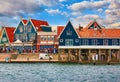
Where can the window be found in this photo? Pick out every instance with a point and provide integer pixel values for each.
(69, 32)
(4, 39)
(76, 40)
(32, 36)
(85, 42)
(49, 38)
(29, 28)
(52, 38)
(20, 36)
(105, 42)
(17, 36)
(114, 42)
(41, 38)
(94, 42)
(21, 29)
(24, 37)
(45, 38)
(69, 42)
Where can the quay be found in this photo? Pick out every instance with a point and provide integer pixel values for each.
(34, 58)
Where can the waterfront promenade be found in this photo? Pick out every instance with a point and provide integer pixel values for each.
(34, 58)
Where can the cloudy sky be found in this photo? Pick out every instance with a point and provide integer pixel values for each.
(58, 12)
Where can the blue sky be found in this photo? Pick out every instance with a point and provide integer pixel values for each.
(58, 12)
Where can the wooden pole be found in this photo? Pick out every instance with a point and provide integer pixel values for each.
(69, 55)
(89, 55)
(79, 56)
(59, 59)
(99, 54)
(109, 56)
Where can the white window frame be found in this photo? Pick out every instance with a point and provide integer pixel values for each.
(69, 42)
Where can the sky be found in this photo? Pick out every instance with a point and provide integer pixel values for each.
(59, 12)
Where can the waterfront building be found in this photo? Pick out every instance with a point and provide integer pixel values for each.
(91, 42)
(26, 32)
(7, 37)
(47, 42)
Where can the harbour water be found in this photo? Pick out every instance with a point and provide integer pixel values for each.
(55, 72)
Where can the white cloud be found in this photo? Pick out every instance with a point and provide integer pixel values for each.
(87, 5)
(76, 13)
(115, 4)
(100, 10)
(47, 2)
(18, 7)
(62, 0)
(84, 20)
(65, 14)
(53, 11)
(113, 13)
(116, 24)
(7, 21)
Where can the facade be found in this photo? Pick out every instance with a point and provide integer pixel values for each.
(6, 33)
(6, 38)
(26, 32)
(93, 42)
(47, 42)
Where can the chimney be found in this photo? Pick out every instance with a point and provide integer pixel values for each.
(80, 27)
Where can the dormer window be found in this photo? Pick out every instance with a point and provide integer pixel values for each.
(69, 32)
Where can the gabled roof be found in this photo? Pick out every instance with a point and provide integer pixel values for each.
(24, 22)
(59, 29)
(10, 33)
(94, 24)
(38, 23)
(69, 22)
(102, 33)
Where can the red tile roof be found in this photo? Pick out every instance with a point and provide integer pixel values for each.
(10, 33)
(25, 21)
(59, 30)
(98, 33)
(38, 23)
(102, 33)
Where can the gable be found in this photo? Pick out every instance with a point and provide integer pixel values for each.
(30, 28)
(94, 25)
(4, 38)
(20, 29)
(69, 32)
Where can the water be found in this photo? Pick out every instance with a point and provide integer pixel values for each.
(51, 72)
